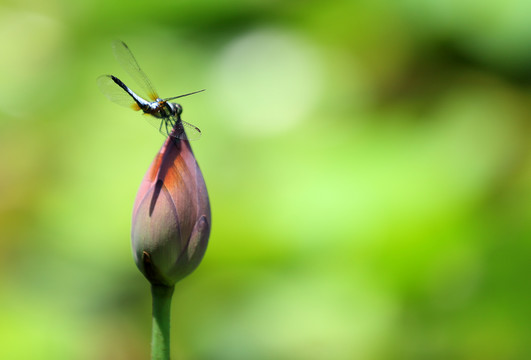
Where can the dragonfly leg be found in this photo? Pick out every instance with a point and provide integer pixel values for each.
(167, 122)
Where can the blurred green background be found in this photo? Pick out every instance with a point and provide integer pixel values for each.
(368, 164)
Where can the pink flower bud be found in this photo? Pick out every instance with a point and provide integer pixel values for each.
(171, 216)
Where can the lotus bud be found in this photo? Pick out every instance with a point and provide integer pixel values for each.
(171, 216)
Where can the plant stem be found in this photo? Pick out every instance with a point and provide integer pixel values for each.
(160, 336)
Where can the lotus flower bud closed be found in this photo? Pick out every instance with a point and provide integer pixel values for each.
(171, 216)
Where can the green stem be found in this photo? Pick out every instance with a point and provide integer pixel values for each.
(160, 336)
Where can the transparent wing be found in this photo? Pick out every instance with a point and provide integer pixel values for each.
(128, 62)
(187, 131)
(115, 93)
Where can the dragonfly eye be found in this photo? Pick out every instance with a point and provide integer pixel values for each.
(178, 109)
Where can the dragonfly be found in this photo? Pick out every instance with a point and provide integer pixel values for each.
(164, 115)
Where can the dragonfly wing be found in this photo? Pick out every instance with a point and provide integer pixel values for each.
(128, 62)
(192, 131)
(115, 93)
(185, 131)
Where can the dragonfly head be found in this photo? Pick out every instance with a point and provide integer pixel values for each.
(175, 108)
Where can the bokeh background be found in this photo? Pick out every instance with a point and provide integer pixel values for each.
(368, 164)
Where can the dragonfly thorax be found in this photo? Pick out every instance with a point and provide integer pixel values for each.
(163, 109)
